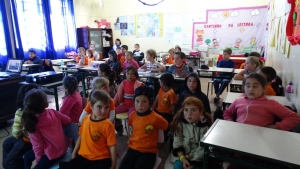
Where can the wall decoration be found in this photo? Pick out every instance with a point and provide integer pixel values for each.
(126, 25)
(149, 25)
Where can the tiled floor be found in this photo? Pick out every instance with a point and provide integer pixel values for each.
(121, 140)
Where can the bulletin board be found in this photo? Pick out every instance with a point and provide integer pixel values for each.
(149, 25)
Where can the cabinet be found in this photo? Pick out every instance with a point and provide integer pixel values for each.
(101, 38)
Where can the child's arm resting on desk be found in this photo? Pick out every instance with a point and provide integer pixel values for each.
(230, 113)
(239, 76)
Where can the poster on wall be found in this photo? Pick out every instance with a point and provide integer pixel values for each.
(126, 25)
(149, 25)
(241, 29)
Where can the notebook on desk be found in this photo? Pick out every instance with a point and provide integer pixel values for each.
(13, 68)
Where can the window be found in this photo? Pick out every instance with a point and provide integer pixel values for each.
(3, 51)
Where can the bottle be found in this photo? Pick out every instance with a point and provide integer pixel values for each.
(214, 63)
(289, 91)
(62, 63)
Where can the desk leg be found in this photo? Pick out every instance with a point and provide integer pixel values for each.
(56, 98)
(206, 155)
(83, 84)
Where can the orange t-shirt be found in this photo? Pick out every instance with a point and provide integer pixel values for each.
(242, 66)
(96, 137)
(145, 131)
(88, 108)
(86, 60)
(269, 90)
(166, 100)
(122, 60)
(170, 60)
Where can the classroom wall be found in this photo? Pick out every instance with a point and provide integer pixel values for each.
(115, 8)
(287, 67)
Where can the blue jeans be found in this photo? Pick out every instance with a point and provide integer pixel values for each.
(13, 150)
(223, 82)
(42, 164)
(178, 165)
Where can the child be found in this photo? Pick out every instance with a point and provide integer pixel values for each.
(124, 50)
(193, 88)
(170, 59)
(247, 55)
(106, 71)
(119, 53)
(124, 97)
(223, 78)
(18, 144)
(96, 144)
(177, 48)
(152, 65)
(44, 127)
(117, 44)
(99, 83)
(129, 60)
(95, 53)
(256, 109)
(142, 147)
(114, 63)
(165, 100)
(251, 66)
(81, 59)
(90, 56)
(269, 73)
(72, 102)
(188, 127)
(179, 68)
(137, 53)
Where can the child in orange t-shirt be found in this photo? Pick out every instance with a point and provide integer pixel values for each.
(124, 49)
(96, 144)
(99, 83)
(142, 148)
(269, 73)
(81, 59)
(170, 59)
(165, 100)
(90, 57)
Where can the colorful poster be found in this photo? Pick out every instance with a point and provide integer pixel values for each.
(241, 29)
(127, 25)
(149, 25)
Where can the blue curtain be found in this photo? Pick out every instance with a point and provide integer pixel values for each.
(47, 26)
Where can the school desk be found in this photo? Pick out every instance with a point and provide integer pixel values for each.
(29, 67)
(87, 71)
(211, 72)
(236, 71)
(57, 62)
(98, 62)
(236, 86)
(264, 146)
(105, 59)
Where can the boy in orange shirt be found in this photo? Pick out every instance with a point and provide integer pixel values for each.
(269, 73)
(165, 100)
(142, 148)
(170, 59)
(81, 59)
(96, 144)
(124, 49)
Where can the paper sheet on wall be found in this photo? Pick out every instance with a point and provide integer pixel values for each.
(149, 25)
(127, 25)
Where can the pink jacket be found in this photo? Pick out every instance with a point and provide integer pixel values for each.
(119, 97)
(49, 138)
(130, 63)
(72, 106)
(261, 112)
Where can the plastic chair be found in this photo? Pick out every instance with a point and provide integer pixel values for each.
(212, 82)
(124, 116)
(160, 139)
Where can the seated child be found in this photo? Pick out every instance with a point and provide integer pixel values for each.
(142, 148)
(188, 128)
(193, 88)
(81, 59)
(15, 146)
(138, 53)
(151, 64)
(114, 63)
(106, 71)
(256, 109)
(223, 78)
(124, 50)
(119, 53)
(170, 59)
(129, 60)
(96, 144)
(179, 68)
(251, 66)
(95, 53)
(90, 57)
(252, 54)
(165, 100)
(269, 73)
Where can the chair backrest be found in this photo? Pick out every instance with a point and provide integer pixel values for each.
(160, 138)
(191, 69)
(71, 131)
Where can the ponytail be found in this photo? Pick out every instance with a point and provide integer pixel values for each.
(29, 120)
(111, 78)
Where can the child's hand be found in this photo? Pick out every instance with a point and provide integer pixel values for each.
(185, 163)
(33, 164)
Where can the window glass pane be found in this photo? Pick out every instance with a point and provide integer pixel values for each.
(2, 42)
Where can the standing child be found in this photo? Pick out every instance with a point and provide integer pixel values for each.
(223, 78)
(41, 124)
(138, 53)
(193, 88)
(114, 63)
(124, 97)
(269, 73)
(129, 61)
(142, 148)
(124, 50)
(106, 71)
(72, 102)
(81, 59)
(151, 64)
(96, 144)
(165, 100)
(256, 109)
(18, 144)
(251, 66)
(188, 127)
(179, 68)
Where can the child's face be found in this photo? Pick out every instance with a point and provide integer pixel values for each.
(149, 57)
(177, 60)
(192, 84)
(249, 66)
(118, 50)
(128, 57)
(117, 42)
(130, 76)
(92, 47)
(105, 88)
(141, 103)
(136, 47)
(100, 110)
(88, 54)
(123, 51)
(191, 113)
(253, 89)
(226, 56)
(111, 57)
(177, 50)
(171, 55)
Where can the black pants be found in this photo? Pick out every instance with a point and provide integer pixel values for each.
(80, 162)
(169, 118)
(136, 160)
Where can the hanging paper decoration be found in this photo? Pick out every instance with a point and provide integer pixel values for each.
(293, 23)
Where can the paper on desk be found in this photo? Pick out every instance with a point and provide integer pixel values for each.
(147, 72)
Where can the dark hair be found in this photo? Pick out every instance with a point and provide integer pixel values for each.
(269, 72)
(125, 47)
(151, 52)
(167, 79)
(228, 51)
(129, 53)
(118, 47)
(21, 94)
(70, 83)
(119, 41)
(262, 81)
(135, 72)
(91, 45)
(177, 47)
(114, 54)
(31, 51)
(91, 52)
(137, 45)
(109, 73)
(254, 54)
(35, 102)
(100, 96)
(181, 55)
